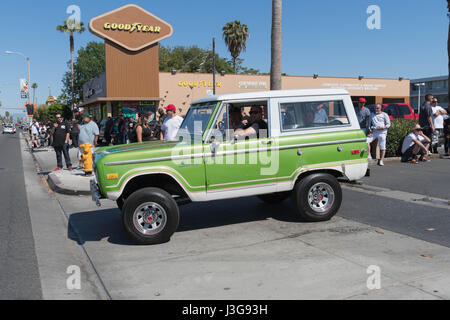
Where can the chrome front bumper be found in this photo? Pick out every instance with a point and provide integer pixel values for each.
(95, 192)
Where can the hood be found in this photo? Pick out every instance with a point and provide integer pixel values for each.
(145, 146)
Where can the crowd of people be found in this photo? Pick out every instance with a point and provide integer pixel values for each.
(64, 134)
(424, 139)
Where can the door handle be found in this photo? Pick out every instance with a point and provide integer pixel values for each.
(268, 142)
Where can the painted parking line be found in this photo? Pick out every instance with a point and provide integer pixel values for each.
(400, 195)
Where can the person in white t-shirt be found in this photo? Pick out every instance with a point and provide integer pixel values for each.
(379, 124)
(171, 124)
(438, 122)
(415, 143)
(36, 141)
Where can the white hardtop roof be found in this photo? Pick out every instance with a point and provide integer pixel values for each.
(273, 94)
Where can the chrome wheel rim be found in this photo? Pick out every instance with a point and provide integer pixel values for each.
(149, 218)
(321, 197)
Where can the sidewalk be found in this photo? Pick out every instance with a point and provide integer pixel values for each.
(64, 181)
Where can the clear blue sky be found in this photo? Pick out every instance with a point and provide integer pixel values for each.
(327, 37)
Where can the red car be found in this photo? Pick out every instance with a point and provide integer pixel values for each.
(397, 110)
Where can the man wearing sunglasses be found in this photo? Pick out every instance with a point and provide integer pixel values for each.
(61, 136)
(256, 126)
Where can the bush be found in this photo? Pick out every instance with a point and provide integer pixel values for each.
(399, 129)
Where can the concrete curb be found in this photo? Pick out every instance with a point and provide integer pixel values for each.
(53, 182)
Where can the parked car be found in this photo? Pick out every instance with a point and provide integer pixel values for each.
(9, 128)
(397, 110)
(312, 139)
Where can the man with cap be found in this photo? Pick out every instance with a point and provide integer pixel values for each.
(88, 134)
(363, 114)
(415, 143)
(171, 124)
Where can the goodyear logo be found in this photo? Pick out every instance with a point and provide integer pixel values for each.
(135, 27)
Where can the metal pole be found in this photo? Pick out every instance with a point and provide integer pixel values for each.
(214, 66)
(29, 80)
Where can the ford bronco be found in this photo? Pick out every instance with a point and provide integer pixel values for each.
(274, 145)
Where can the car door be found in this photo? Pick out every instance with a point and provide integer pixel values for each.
(237, 167)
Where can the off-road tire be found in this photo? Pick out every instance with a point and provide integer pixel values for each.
(167, 208)
(304, 202)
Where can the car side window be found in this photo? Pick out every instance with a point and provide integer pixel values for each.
(404, 110)
(391, 110)
(304, 115)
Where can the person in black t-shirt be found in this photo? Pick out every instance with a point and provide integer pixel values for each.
(257, 125)
(61, 136)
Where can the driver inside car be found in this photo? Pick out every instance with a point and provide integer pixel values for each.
(256, 124)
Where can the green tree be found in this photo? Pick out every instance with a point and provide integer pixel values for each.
(275, 67)
(71, 27)
(235, 36)
(7, 114)
(41, 113)
(89, 64)
(60, 108)
(34, 87)
(190, 59)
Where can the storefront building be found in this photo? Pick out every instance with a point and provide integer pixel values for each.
(132, 81)
(181, 89)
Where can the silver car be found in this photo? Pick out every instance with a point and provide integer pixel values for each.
(9, 128)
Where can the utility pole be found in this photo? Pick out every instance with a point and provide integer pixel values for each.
(214, 65)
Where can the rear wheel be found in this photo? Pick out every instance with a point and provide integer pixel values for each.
(274, 198)
(150, 216)
(317, 197)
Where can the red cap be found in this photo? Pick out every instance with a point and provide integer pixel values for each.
(362, 100)
(171, 107)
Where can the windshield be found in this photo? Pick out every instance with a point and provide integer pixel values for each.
(197, 119)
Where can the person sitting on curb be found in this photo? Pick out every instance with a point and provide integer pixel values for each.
(379, 125)
(415, 143)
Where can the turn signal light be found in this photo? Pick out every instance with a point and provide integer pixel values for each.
(113, 176)
(356, 152)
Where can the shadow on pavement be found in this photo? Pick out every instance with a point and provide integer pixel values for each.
(100, 224)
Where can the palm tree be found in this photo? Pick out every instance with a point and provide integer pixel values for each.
(275, 67)
(235, 36)
(34, 87)
(71, 28)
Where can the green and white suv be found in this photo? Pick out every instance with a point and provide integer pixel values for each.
(305, 141)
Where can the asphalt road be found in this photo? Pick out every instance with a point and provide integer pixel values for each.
(19, 275)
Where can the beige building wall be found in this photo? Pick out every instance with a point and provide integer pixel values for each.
(182, 89)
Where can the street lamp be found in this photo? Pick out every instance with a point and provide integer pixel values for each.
(418, 100)
(28, 62)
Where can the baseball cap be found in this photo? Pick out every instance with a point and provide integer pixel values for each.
(417, 127)
(362, 100)
(86, 115)
(171, 107)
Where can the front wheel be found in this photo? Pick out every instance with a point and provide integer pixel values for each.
(150, 216)
(317, 197)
